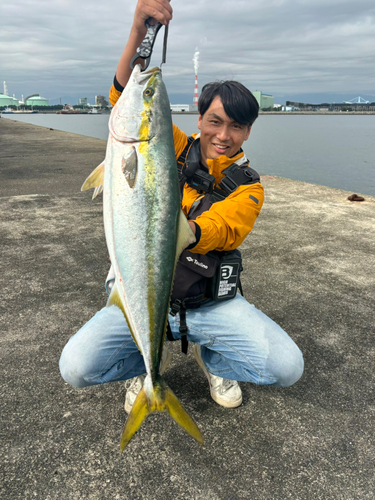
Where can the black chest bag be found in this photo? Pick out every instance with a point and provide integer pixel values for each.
(215, 275)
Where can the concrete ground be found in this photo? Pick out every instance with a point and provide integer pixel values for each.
(309, 265)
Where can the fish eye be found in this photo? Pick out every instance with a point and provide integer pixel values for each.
(148, 92)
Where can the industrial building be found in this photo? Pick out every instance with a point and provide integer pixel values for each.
(180, 107)
(358, 104)
(31, 100)
(101, 101)
(6, 100)
(265, 101)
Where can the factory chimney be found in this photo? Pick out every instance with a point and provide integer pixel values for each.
(195, 100)
(196, 66)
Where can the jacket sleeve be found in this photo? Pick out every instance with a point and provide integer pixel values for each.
(227, 223)
(115, 92)
(180, 140)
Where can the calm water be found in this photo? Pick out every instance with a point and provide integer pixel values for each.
(334, 150)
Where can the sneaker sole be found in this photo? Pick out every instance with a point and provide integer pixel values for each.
(217, 400)
(127, 407)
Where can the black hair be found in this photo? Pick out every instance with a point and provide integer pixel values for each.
(239, 103)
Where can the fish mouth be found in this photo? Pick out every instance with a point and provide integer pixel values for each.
(143, 76)
(130, 140)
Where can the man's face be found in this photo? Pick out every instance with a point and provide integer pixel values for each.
(220, 135)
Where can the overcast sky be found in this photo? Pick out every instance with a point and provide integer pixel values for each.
(288, 48)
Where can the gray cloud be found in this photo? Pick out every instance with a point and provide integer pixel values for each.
(281, 47)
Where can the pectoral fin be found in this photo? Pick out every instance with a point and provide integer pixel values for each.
(129, 166)
(185, 235)
(95, 180)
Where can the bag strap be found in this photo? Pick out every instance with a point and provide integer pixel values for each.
(183, 326)
(235, 176)
(179, 307)
(182, 158)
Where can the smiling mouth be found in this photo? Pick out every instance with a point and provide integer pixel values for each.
(220, 146)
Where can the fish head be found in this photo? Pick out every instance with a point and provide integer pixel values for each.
(136, 115)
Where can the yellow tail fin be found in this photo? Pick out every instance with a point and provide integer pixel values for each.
(162, 399)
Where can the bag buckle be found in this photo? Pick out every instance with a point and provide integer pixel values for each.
(175, 307)
(229, 184)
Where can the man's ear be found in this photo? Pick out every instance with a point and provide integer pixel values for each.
(248, 133)
(199, 121)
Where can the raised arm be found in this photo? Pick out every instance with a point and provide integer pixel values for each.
(158, 10)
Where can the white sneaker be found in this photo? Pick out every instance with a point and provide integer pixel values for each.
(134, 385)
(224, 391)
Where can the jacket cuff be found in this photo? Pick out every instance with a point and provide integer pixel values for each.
(198, 234)
(117, 86)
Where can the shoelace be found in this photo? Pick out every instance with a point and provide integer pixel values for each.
(134, 383)
(226, 385)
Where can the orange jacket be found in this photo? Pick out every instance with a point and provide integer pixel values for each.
(227, 223)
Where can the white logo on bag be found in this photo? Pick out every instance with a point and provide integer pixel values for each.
(196, 262)
(226, 272)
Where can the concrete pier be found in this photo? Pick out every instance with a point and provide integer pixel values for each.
(309, 265)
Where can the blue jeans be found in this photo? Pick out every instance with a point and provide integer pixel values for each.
(238, 342)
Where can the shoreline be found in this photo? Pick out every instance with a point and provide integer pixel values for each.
(263, 113)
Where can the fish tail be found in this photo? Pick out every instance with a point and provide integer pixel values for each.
(138, 413)
(181, 416)
(162, 399)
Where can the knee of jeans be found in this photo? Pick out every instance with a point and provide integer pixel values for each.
(291, 371)
(72, 371)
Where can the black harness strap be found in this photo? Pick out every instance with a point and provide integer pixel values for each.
(235, 176)
(169, 333)
(177, 307)
(181, 160)
(183, 330)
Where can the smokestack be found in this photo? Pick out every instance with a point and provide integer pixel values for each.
(196, 66)
(5, 89)
(195, 100)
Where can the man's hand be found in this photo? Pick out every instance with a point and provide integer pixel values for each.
(193, 226)
(159, 10)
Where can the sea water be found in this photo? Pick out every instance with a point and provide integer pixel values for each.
(332, 150)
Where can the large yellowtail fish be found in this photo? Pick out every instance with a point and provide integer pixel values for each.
(145, 231)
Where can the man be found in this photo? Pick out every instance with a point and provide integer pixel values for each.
(233, 341)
